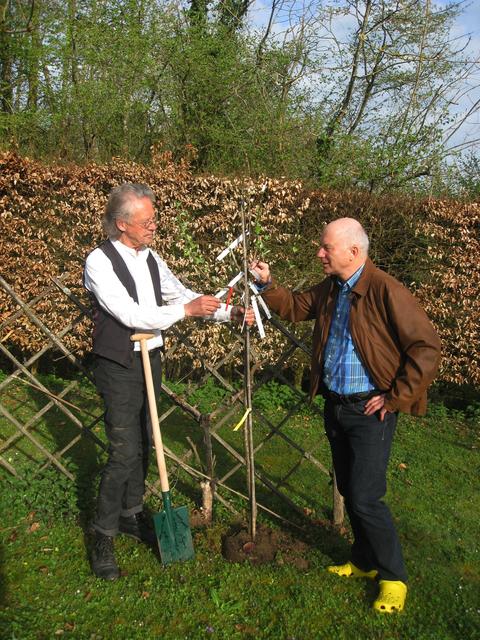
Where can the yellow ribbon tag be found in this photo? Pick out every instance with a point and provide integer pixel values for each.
(242, 420)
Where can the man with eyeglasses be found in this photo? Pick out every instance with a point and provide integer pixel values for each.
(132, 290)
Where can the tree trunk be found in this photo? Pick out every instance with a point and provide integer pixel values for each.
(6, 62)
(33, 69)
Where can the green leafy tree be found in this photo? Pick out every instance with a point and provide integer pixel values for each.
(346, 93)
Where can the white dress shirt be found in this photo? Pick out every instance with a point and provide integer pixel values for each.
(146, 315)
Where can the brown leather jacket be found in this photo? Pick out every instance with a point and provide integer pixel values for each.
(391, 332)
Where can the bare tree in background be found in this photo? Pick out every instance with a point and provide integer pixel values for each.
(395, 74)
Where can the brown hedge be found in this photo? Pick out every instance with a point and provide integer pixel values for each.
(50, 219)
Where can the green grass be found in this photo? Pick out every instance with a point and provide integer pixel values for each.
(48, 590)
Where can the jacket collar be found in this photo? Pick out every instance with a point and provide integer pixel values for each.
(363, 283)
(361, 286)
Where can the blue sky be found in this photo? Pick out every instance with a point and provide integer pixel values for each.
(469, 21)
(468, 24)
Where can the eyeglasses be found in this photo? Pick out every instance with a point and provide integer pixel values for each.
(146, 224)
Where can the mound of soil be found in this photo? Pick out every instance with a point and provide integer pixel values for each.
(268, 546)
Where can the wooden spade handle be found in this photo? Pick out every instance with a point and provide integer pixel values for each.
(152, 405)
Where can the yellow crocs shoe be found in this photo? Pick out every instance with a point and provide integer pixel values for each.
(391, 597)
(349, 570)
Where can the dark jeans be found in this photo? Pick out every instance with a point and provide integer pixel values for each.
(360, 447)
(128, 429)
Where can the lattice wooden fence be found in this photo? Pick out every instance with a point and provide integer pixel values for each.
(61, 425)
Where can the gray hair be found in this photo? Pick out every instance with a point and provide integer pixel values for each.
(359, 238)
(118, 206)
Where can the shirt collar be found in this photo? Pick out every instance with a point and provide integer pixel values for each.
(352, 281)
(122, 248)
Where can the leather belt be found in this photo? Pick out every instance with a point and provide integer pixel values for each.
(353, 398)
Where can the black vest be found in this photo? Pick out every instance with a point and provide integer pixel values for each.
(111, 339)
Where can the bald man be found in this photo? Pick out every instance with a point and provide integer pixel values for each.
(374, 354)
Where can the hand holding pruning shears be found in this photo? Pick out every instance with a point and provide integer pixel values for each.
(202, 306)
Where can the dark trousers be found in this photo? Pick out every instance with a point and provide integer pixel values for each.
(128, 429)
(360, 447)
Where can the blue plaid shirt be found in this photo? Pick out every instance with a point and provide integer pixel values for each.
(343, 372)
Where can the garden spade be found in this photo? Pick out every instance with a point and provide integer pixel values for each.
(172, 526)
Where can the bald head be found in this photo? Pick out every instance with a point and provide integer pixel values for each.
(343, 247)
(350, 231)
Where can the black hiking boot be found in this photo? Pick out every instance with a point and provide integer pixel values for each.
(104, 564)
(138, 527)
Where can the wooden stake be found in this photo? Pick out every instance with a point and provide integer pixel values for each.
(248, 429)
